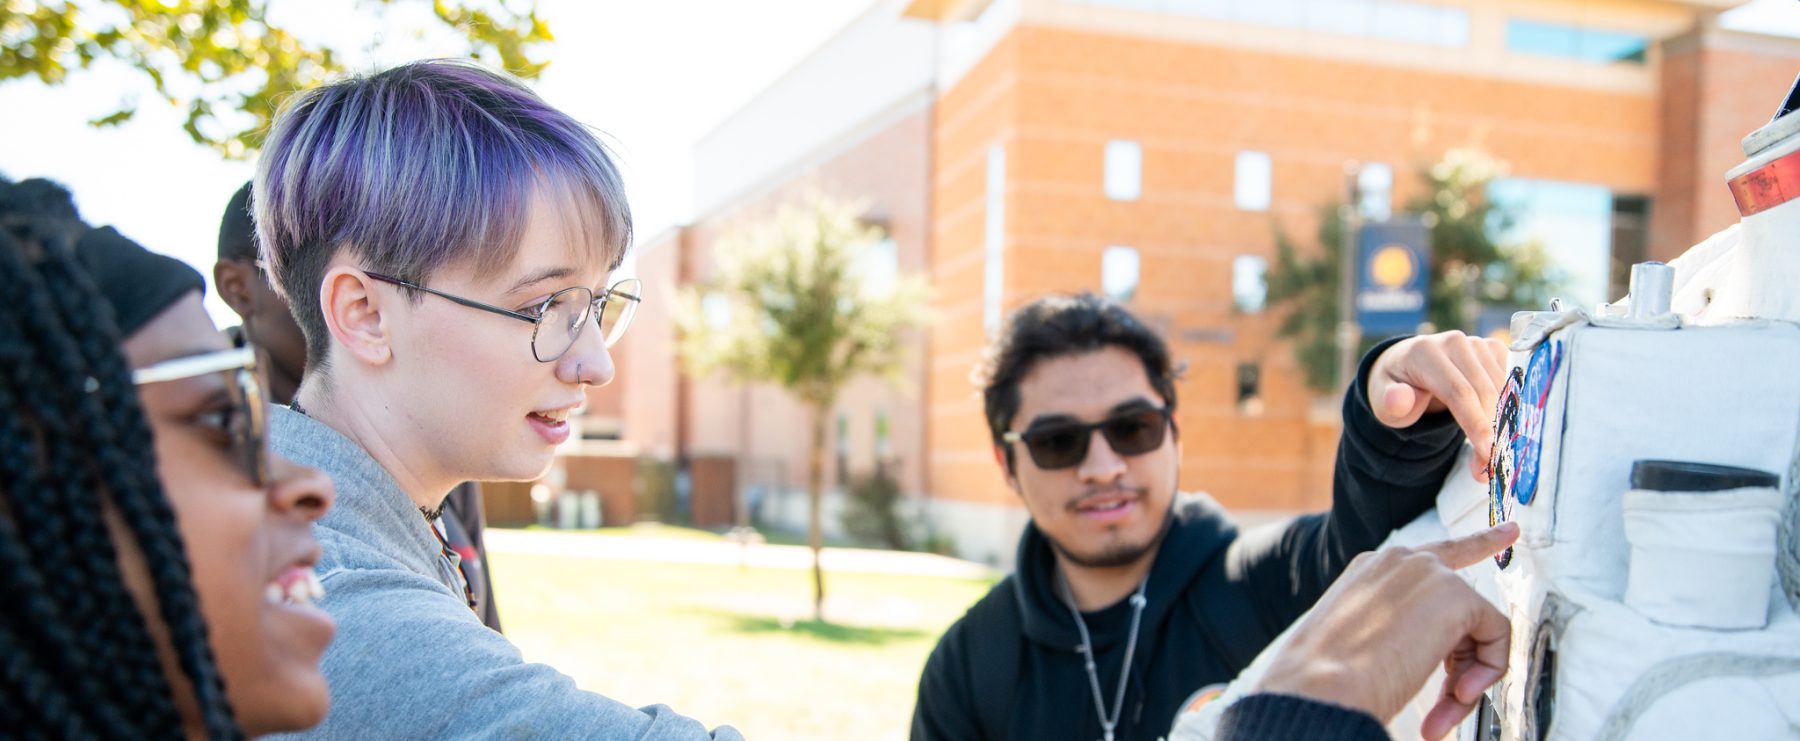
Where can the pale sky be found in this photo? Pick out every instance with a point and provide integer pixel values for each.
(653, 76)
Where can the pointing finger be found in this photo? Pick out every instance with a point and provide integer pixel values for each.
(1461, 553)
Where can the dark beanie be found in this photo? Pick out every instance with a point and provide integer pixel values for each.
(139, 283)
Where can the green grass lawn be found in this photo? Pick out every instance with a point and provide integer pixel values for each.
(661, 531)
(734, 646)
(640, 530)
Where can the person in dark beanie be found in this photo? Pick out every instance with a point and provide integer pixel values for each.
(143, 522)
(268, 325)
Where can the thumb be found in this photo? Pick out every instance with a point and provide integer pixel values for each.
(1461, 553)
(1401, 405)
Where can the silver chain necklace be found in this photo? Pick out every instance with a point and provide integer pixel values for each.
(1107, 723)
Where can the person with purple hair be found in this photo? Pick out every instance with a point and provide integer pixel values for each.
(268, 326)
(445, 240)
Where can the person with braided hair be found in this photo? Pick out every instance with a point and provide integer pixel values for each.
(157, 562)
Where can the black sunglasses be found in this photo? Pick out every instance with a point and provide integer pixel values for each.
(248, 425)
(1065, 444)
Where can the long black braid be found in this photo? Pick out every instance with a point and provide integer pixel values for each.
(76, 659)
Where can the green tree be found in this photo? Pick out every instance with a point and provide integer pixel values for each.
(790, 303)
(222, 61)
(1469, 268)
(872, 511)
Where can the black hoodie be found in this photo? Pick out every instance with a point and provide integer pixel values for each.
(1010, 669)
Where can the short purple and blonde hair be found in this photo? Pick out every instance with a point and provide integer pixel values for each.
(422, 167)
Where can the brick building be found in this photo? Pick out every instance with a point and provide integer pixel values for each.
(1149, 149)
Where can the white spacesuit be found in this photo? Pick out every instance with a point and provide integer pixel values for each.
(1650, 452)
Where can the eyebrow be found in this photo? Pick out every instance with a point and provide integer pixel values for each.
(199, 393)
(216, 396)
(540, 276)
(1129, 405)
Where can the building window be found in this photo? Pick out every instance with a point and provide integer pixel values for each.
(1630, 240)
(1405, 21)
(1124, 170)
(1282, 13)
(993, 284)
(881, 268)
(843, 448)
(715, 309)
(884, 446)
(1249, 283)
(1573, 222)
(1375, 191)
(1119, 273)
(1253, 181)
(1249, 389)
(1595, 45)
(1416, 23)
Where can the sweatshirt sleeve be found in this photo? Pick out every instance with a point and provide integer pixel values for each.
(410, 660)
(1383, 479)
(943, 712)
(1272, 717)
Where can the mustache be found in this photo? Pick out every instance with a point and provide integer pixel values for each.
(1137, 492)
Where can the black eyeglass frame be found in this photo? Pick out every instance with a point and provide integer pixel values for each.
(1085, 434)
(252, 443)
(596, 307)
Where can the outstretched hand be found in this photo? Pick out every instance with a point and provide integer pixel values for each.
(1444, 371)
(1394, 616)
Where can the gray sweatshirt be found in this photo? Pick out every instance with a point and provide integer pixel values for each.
(411, 660)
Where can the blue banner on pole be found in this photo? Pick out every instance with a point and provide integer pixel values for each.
(1392, 277)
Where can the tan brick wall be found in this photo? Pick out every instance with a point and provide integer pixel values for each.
(1718, 86)
(978, 112)
(646, 362)
(1052, 95)
(1056, 95)
(763, 426)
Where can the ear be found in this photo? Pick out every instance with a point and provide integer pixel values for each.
(1002, 454)
(232, 279)
(353, 314)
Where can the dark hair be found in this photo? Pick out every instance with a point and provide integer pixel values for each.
(76, 655)
(1055, 326)
(237, 229)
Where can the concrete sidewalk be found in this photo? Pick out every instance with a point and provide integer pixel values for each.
(720, 552)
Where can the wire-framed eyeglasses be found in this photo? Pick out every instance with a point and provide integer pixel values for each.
(558, 320)
(248, 424)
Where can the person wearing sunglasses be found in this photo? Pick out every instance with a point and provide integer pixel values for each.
(446, 241)
(268, 326)
(158, 560)
(1127, 597)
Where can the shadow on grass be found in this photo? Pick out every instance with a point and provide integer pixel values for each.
(826, 631)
